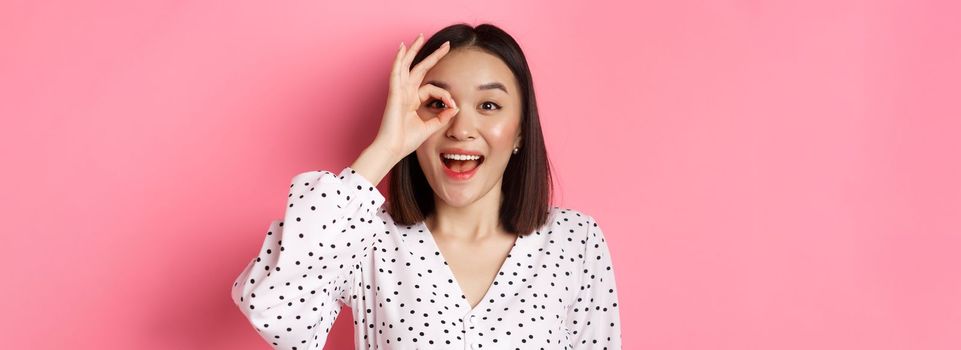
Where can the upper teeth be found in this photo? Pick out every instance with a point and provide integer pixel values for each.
(461, 156)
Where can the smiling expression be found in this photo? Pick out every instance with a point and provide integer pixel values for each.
(488, 124)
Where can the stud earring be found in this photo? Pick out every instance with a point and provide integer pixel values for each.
(516, 149)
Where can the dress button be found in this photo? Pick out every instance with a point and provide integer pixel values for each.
(473, 320)
(474, 346)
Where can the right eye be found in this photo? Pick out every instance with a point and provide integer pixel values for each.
(432, 104)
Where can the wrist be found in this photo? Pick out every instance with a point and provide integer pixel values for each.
(375, 162)
(384, 151)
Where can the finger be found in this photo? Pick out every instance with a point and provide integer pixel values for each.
(418, 72)
(433, 124)
(410, 54)
(395, 68)
(428, 90)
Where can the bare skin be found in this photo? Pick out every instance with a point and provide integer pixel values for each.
(475, 263)
(422, 115)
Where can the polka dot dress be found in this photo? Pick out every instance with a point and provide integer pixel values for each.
(336, 245)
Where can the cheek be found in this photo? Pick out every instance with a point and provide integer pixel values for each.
(425, 112)
(501, 134)
(425, 152)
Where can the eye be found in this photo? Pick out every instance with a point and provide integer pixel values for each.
(493, 105)
(430, 104)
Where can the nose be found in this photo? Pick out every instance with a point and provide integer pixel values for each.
(461, 126)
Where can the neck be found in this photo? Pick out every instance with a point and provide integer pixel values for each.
(476, 221)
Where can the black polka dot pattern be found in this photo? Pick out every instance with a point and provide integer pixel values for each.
(336, 245)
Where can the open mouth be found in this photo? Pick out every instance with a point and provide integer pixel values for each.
(459, 163)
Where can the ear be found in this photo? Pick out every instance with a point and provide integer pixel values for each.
(517, 141)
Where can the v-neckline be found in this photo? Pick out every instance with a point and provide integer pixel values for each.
(450, 272)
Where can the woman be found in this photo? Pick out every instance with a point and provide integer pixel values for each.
(468, 253)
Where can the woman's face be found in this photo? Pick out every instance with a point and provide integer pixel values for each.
(488, 125)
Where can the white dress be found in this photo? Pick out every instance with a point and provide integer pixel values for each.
(336, 245)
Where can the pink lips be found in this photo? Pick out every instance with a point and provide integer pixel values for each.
(461, 176)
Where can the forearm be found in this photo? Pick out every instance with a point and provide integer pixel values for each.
(375, 162)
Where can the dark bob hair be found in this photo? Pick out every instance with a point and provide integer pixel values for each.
(526, 186)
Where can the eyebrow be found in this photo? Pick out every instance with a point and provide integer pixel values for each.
(488, 86)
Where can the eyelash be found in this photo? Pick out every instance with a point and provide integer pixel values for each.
(496, 106)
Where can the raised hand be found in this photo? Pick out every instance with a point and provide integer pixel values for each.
(402, 129)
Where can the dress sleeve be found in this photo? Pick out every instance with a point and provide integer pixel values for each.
(593, 320)
(293, 290)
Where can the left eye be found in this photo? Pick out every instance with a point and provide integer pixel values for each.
(434, 104)
(491, 104)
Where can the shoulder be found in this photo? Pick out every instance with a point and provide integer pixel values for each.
(575, 225)
(566, 216)
(579, 229)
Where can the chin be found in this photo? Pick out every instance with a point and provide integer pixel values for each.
(459, 195)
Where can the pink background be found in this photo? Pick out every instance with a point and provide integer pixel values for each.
(773, 175)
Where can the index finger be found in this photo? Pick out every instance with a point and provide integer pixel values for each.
(417, 74)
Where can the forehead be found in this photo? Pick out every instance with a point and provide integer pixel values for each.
(465, 69)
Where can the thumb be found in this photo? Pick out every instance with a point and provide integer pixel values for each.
(433, 124)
